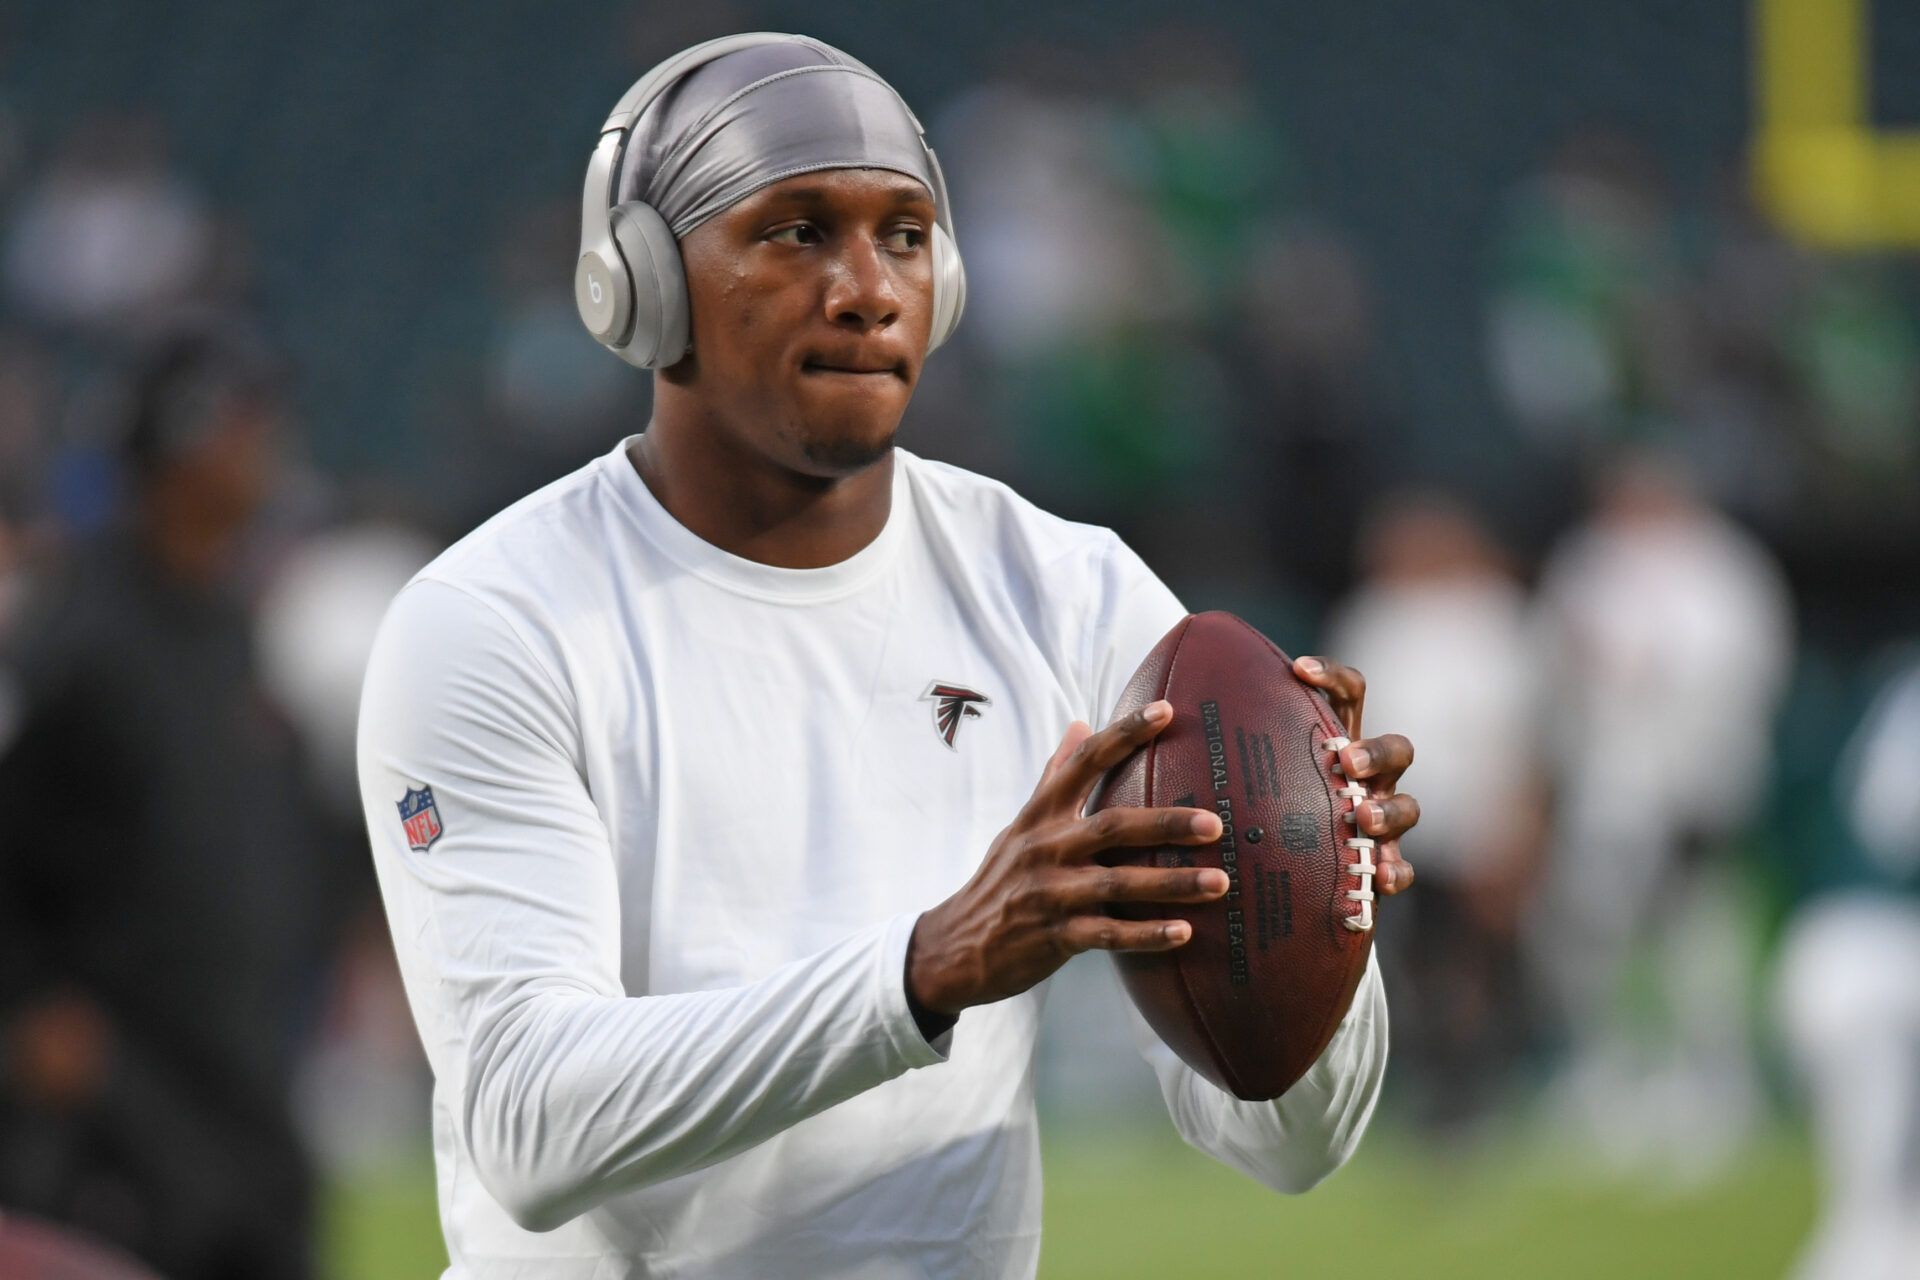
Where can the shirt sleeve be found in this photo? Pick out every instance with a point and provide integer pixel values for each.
(505, 913)
(1293, 1142)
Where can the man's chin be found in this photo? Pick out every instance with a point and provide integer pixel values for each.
(847, 454)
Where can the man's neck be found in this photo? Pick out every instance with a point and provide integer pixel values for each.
(753, 507)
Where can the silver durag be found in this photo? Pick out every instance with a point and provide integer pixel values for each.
(756, 117)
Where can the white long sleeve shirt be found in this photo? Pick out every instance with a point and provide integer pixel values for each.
(653, 824)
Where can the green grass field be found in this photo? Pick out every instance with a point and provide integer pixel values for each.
(1124, 1207)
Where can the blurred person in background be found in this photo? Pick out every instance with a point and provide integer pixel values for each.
(1590, 338)
(1208, 160)
(1587, 323)
(164, 894)
(26, 412)
(1034, 181)
(1856, 347)
(551, 394)
(1103, 229)
(108, 237)
(1080, 296)
(1805, 375)
(1848, 1004)
(1781, 376)
(1744, 437)
(362, 1090)
(1300, 347)
(1445, 633)
(1671, 636)
(1035, 186)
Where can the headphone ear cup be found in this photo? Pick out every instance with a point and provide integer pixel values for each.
(949, 288)
(660, 333)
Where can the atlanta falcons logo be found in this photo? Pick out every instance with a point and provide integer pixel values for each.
(950, 702)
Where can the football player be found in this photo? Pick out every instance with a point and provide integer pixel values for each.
(727, 794)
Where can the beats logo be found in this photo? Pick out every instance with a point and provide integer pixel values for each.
(595, 293)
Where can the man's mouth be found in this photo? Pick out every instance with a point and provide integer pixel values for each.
(864, 369)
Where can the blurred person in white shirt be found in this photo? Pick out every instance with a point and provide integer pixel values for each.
(1848, 1007)
(1672, 635)
(1443, 629)
(361, 1093)
(111, 235)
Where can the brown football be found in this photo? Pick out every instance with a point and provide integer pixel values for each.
(1254, 996)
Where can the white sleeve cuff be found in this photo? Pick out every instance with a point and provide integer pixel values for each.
(914, 1049)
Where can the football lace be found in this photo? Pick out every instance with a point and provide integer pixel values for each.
(1361, 845)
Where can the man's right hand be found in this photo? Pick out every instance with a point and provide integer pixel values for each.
(1040, 896)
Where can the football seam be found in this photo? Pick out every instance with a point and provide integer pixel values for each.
(1180, 970)
(1337, 1012)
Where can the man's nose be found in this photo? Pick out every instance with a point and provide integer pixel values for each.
(861, 292)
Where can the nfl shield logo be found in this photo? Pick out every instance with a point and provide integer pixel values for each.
(420, 819)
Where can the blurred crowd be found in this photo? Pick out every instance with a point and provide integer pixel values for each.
(186, 937)
(1670, 851)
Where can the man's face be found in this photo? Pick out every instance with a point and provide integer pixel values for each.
(229, 472)
(812, 301)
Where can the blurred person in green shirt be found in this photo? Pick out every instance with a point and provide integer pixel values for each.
(1847, 1002)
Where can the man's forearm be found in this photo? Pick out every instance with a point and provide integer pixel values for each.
(571, 1097)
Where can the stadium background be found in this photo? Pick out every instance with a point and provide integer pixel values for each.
(1229, 262)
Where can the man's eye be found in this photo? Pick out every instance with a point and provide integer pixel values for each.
(905, 239)
(800, 233)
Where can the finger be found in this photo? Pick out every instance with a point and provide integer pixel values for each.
(1380, 760)
(1138, 829)
(1392, 873)
(1100, 885)
(1388, 817)
(1099, 752)
(1077, 732)
(1345, 688)
(1104, 933)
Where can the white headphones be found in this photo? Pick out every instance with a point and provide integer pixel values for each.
(630, 285)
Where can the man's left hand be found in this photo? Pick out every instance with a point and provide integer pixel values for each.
(1378, 762)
